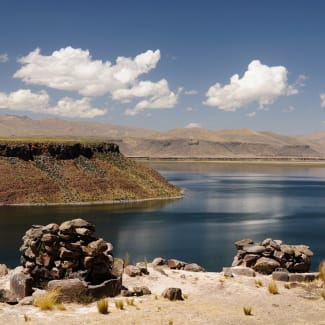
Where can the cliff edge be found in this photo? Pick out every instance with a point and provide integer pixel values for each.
(47, 173)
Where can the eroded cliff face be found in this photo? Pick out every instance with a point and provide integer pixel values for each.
(45, 173)
(28, 151)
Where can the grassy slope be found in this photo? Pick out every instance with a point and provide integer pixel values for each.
(102, 178)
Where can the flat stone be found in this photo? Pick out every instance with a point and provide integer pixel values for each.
(70, 289)
(255, 249)
(244, 271)
(98, 246)
(250, 259)
(109, 288)
(302, 277)
(287, 249)
(193, 267)
(173, 294)
(304, 249)
(280, 276)
(237, 262)
(27, 301)
(243, 242)
(70, 225)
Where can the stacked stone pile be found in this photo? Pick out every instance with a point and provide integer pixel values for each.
(269, 255)
(66, 251)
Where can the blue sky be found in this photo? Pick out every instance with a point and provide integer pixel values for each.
(177, 65)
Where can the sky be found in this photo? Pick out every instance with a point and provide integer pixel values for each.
(166, 64)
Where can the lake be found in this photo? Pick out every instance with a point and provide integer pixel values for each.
(222, 204)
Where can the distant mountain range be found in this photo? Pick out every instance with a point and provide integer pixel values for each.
(175, 143)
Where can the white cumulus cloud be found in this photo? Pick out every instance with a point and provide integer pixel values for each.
(260, 83)
(322, 98)
(74, 69)
(193, 125)
(39, 102)
(4, 58)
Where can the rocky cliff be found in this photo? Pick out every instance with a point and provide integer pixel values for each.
(43, 173)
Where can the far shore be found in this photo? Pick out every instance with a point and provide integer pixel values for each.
(317, 162)
(87, 203)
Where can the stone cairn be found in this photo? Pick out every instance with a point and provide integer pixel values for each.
(269, 255)
(68, 251)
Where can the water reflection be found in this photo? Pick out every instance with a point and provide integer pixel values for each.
(222, 204)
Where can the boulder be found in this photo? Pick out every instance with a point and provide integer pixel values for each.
(132, 270)
(266, 265)
(193, 267)
(3, 270)
(175, 264)
(21, 284)
(8, 297)
(243, 242)
(250, 259)
(244, 271)
(70, 290)
(109, 288)
(158, 261)
(173, 294)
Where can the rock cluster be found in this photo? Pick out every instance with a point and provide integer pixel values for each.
(69, 250)
(56, 150)
(269, 255)
(175, 264)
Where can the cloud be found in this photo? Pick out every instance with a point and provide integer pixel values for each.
(252, 114)
(26, 100)
(289, 109)
(4, 58)
(72, 69)
(193, 125)
(322, 97)
(191, 92)
(260, 83)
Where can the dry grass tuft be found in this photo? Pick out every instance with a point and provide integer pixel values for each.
(102, 306)
(48, 300)
(287, 286)
(258, 283)
(130, 301)
(185, 296)
(273, 288)
(248, 311)
(27, 318)
(60, 307)
(322, 271)
(323, 294)
(119, 304)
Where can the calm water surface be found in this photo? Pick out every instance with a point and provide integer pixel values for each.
(222, 204)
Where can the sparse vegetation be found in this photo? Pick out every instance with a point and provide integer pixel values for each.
(287, 286)
(248, 310)
(273, 288)
(27, 318)
(126, 259)
(119, 304)
(48, 300)
(323, 294)
(322, 271)
(130, 301)
(60, 307)
(258, 283)
(102, 306)
(185, 296)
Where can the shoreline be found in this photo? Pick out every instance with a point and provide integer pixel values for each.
(90, 203)
(317, 162)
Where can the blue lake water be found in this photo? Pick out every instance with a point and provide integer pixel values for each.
(222, 204)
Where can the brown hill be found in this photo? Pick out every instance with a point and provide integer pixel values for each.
(181, 142)
(65, 173)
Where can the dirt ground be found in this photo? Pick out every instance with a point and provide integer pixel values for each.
(210, 298)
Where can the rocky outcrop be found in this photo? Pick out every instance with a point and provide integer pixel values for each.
(68, 251)
(175, 264)
(271, 254)
(27, 151)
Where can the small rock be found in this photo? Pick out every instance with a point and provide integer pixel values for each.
(127, 293)
(27, 301)
(3, 270)
(227, 272)
(132, 270)
(244, 242)
(8, 297)
(173, 294)
(143, 267)
(140, 291)
(250, 259)
(193, 267)
(302, 277)
(175, 264)
(117, 267)
(158, 261)
(108, 288)
(21, 284)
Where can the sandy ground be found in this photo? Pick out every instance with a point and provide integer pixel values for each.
(211, 299)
